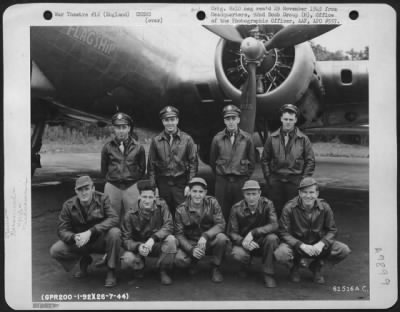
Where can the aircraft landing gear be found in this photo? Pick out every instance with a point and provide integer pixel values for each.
(36, 144)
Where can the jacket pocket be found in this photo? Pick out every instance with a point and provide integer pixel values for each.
(244, 165)
(298, 164)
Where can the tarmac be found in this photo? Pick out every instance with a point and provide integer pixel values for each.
(345, 185)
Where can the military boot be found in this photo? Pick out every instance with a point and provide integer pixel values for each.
(315, 268)
(83, 267)
(165, 278)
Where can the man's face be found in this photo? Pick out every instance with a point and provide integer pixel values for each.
(121, 132)
(197, 194)
(147, 199)
(288, 121)
(85, 194)
(251, 197)
(232, 123)
(308, 195)
(170, 124)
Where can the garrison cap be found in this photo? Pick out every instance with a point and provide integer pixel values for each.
(231, 110)
(251, 185)
(169, 111)
(306, 182)
(289, 108)
(145, 185)
(199, 181)
(121, 119)
(83, 181)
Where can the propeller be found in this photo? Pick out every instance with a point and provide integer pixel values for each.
(255, 50)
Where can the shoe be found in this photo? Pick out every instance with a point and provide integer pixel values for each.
(315, 268)
(83, 267)
(269, 281)
(111, 279)
(295, 274)
(165, 278)
(216, 276)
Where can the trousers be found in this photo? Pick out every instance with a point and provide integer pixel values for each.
(215, 247)
(121, 200)
(228, 191)
(69, 255)
(334, 254)
(165, 251)
(268, 244)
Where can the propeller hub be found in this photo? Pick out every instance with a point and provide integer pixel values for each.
(252, 49)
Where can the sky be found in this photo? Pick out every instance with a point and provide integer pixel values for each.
(345, 37)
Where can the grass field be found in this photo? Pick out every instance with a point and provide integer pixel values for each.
(90, 139)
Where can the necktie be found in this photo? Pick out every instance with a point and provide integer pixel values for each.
(232, 138)
(171, 138)
(286, 138)
(122, 147)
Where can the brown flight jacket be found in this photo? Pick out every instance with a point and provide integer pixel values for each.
(128, 167)
(191, 224)
(137, 229)
(172, 161)
(237, 159)
(296, 159)
(262, 222)
(296, 228)
(100, 218)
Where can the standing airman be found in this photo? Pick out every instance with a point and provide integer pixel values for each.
(232, 159)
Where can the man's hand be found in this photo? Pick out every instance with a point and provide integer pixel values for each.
(81, 239)
(202, 243)
(198, 253)
(308, 249)
(143, 250)
(318, 247)
(149, 244)
(186, 191)
(253, 245)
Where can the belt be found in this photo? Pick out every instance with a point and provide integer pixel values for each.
(233, 177)
(122, 184)
(171, 180)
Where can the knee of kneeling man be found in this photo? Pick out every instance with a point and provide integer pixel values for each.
(272, 238)
(170, 244)
(114, 232)
(54, 251)
(222, 238)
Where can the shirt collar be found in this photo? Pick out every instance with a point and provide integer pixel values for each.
(166, 136)
(317, 204)
(228, 134)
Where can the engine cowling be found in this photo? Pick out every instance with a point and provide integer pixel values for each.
(283, 76)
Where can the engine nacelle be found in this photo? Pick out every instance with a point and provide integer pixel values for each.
(283, 76)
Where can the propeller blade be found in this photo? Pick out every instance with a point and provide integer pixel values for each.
(228, 32)
(248, 100)
(295, 34)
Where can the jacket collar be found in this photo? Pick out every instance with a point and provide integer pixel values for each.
(238, 133)
(317, 204)
(164, 136)
(297, 132)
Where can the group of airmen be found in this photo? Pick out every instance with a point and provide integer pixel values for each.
(171, 217)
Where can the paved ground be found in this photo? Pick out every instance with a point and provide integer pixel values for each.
(345, 184)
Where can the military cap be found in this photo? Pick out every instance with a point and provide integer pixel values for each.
(83, 181)
(199, 181)
(251, 185)
(169, 111)
(145, 185)
(121, 119)
(289, 107)
(231, 110)
(306, 182)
